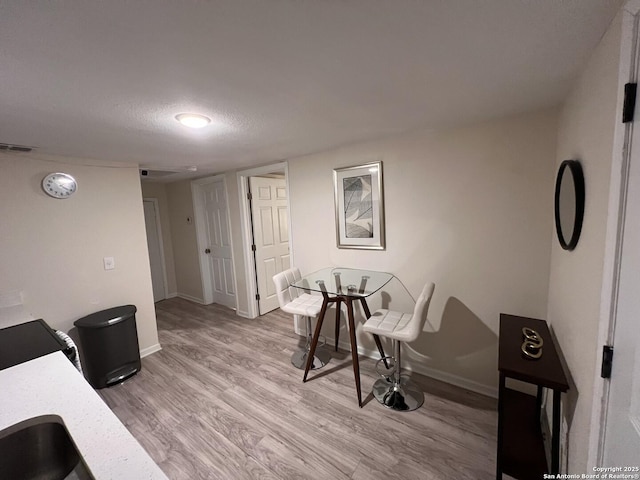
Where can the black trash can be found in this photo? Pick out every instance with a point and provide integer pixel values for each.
(109, 343)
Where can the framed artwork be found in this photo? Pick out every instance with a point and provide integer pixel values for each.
(359, 206)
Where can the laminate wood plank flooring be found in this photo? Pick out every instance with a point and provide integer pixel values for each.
(221, 400)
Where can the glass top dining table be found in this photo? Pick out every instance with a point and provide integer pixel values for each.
(344, 281)
(343, 286)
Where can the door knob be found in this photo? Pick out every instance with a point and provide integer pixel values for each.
(207, 250)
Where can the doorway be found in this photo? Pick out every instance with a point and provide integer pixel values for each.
(156, 249)
(280, 259)
(617, 401)
(622, 431)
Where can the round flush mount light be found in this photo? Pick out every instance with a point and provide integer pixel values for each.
(193, 120)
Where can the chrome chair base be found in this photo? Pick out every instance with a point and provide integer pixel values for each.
(402, 397)
(320, 359)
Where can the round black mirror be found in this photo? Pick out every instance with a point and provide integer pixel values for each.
(569, 203)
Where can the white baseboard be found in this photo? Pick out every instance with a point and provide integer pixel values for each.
(149, 350)
(172, 295)
(242, 313)
(190, 298)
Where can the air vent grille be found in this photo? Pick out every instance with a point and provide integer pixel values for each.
(147, 173)
(9, 147)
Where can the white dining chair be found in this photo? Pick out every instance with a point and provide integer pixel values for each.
(301, 304)
(393, 390)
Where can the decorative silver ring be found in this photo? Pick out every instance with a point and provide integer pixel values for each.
(532, 345)
(531, 350)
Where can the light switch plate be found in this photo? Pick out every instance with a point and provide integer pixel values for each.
(109, 263)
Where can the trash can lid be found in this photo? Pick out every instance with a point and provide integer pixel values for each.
(106, 317)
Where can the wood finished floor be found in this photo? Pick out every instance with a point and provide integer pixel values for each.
(222, 401)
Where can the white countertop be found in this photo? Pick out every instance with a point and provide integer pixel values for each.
(50, 385)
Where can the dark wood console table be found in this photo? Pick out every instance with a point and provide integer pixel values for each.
(521, 451)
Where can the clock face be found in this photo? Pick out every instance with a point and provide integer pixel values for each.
(59, 185)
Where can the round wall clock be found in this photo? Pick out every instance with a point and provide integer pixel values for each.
(59, 185)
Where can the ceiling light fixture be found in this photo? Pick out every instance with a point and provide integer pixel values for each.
(193, 120)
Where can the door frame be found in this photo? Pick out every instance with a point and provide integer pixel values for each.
(156, 209)
(201, 235)
(245, 224)
(618, 187)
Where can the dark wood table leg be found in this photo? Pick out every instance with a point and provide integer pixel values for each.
(316, 335)
(500, 427)
(539, 408)
(555, 434)
(354, 348)
(367, 313)
(365, 307)
(338, 308)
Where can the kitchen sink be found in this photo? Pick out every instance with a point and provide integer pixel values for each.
(40, 448)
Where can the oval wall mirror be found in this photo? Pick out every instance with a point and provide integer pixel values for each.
(569, 203)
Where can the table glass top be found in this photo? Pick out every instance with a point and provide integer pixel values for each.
(345, 281)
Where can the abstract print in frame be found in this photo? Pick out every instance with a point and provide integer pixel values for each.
(359, 206)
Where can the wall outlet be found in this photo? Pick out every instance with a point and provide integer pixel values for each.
(109, 263)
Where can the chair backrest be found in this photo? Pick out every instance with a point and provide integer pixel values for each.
(416, 324)
(283, 280)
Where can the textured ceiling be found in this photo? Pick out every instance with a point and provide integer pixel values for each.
(279, 78)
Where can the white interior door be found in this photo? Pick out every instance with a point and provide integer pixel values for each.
(218, 249)
(270, 218)
(622, 433)
(154, 245)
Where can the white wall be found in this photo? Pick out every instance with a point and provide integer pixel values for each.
(159, 192)
(468, 208)
(585, 133)
(52, 250)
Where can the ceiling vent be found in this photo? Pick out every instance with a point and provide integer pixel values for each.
(147, 173)
(8, 147)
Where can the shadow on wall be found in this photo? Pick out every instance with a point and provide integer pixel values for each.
(462, 346)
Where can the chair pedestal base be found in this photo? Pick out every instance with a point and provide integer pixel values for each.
(320, 359)
(403, 396)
